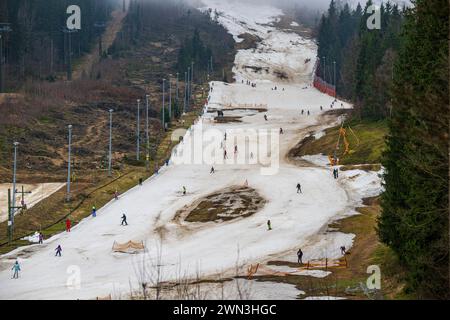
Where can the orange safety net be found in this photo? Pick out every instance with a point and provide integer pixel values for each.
(128, 246)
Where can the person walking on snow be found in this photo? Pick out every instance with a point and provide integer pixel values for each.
(68, 225)
(269, 225)
(94, 211)
(299, 188)
(16, 268)
(124, 220)
(58, 251)
(299, 256)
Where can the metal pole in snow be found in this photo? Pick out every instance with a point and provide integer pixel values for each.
(110, 142)
(147, 154)
(69, 163)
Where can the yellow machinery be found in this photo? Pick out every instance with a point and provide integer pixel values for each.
(334, 159)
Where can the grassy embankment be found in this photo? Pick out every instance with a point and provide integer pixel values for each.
(49, 215)
(366, 144)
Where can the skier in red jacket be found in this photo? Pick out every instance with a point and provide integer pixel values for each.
(68, 225)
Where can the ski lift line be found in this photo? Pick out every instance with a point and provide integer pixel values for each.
(71, 211)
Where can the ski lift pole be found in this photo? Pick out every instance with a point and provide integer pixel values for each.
(10, 213)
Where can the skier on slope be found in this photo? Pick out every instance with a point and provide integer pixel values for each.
(16, 268)
(41, 238)
(269, 225)
(58, 251)
(184, 190)
(303, 111)
(281, 131)
(265, 117)
(94, 211)
(299, 256)
(124, 220)
(225, 154)
(212, 170)
(299, 188)
(68, 225)
(116, 195)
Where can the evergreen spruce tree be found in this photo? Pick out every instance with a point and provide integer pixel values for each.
(415, 216)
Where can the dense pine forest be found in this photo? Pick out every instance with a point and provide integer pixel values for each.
(415, 218)
(363, 58)
(37, 46)
(400, 72)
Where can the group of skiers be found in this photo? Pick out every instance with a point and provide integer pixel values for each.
(303, 111)
(249, 83)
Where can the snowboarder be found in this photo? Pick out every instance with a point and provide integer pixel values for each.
(68, 225)
(212, 170)
(184, 190)
(343, 251)
(269, 225)
(58, 251)
(41, 238)
(299, 256)
(16, 268)
(124, 220)
(94, 211)
(299, 188)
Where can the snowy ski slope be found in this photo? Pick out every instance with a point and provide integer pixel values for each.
(212, 248)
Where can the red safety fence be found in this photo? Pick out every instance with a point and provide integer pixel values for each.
(321, 84)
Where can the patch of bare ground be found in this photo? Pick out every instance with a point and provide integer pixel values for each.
(224, 205)
(227, 119)
(250, 41)
(365, 167)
